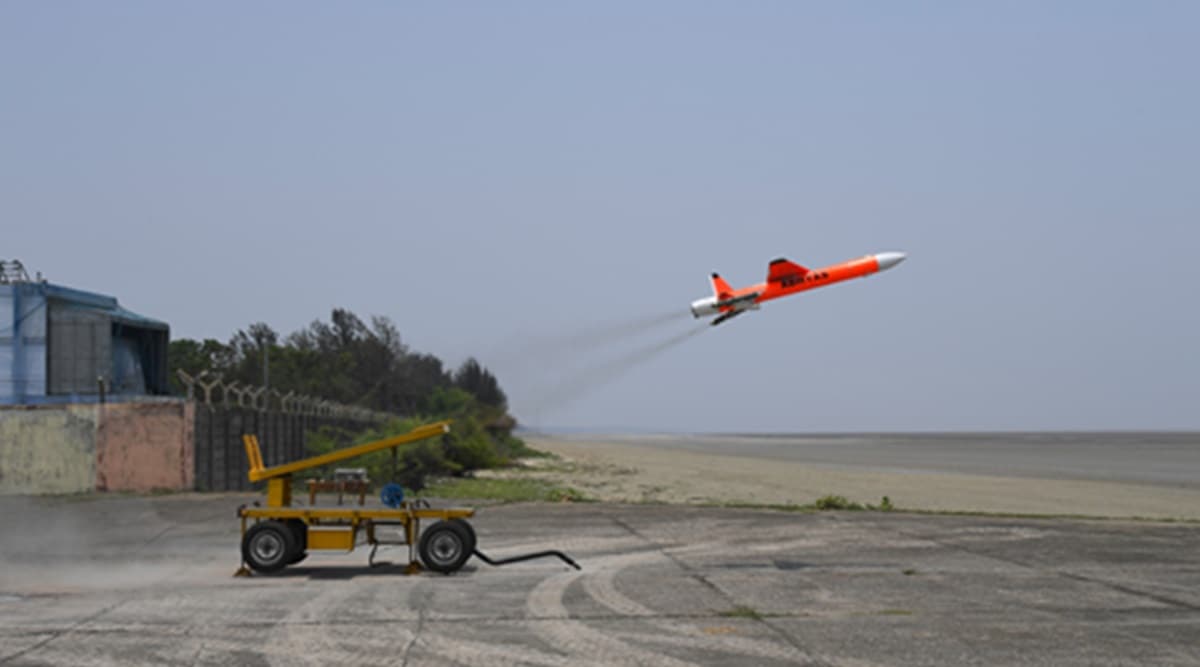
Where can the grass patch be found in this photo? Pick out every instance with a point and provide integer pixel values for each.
(509, 490)
(887, 506)
(1051, 515)
(515, 448)
(895, 612)
(825, 503)
(742, 611)
(832, 502)
(734, 505)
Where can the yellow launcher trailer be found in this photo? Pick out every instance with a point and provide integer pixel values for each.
(281, 534)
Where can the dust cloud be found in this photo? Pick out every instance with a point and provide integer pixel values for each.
(63, 544)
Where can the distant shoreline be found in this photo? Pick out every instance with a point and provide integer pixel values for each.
(633, 433)
(1132, 474)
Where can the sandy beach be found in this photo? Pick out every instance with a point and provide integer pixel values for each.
(624, 469)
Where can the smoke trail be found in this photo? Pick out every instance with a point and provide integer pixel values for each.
(579, 384)
(580, 342)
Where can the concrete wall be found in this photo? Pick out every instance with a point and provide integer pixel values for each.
(144, 446)
(109, 447)
(48, 449)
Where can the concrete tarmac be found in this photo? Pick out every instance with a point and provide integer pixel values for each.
(147, 581)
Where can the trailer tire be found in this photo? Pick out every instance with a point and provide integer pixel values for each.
(300, 540)
(444, 547)
(469, 530)
(268, 546)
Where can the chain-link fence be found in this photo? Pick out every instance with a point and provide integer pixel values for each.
(226, 410)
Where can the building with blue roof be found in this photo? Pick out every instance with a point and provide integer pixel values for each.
(63, 345)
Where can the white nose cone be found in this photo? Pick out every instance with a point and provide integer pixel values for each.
(887, 260)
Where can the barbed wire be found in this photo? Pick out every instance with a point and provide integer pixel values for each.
(213, 391)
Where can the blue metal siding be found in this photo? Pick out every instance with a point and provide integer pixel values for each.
(74, 337)
(22, 342)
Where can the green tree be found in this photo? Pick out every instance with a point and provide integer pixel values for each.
(349, 361)
(473, 378)
(194, 357)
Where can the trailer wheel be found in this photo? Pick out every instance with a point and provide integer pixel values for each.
(469, 530)
(268, 546)
(299, 540)
(444, 547)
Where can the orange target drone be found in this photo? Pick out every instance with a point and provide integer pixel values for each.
(785, 278)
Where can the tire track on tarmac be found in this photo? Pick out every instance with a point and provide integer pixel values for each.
(576, 639)
(602, 588)
(684, 567)
(473, 652)
(303, 637)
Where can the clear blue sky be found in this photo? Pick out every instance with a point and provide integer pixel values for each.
(492, 174)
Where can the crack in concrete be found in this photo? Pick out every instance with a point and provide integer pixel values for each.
(421, 597)
(1121, 588)
(698, 576)
(56, 634)
(1058, 616)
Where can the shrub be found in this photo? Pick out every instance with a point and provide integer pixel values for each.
(469, 447)
(832, 502)
(422, 461)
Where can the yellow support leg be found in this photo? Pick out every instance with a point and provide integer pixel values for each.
(242, 570)
(279, 491)
(412, 528)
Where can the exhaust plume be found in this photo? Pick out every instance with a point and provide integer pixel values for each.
(577, 384)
